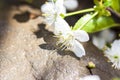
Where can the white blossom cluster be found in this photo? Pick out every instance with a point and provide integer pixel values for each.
(70, 39)
(113, 53)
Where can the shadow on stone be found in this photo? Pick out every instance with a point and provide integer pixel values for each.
(42, 32)
(24, 17)
(47, 46)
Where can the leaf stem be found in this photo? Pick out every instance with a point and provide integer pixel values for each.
(78, 12)
(88, 20)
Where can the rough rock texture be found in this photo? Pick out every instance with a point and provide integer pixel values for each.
(27, 52)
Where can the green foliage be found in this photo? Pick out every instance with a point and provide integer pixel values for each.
(107, 3)
(115, 5)
(101, 5)
(95, 24)
(103, 20)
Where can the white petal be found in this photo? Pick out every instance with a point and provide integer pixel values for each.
(78, 49)
(50, 20)
(70, 7)
(61, 26)
(47, 8)
(81, 35)
(116, 46)
(60, 7)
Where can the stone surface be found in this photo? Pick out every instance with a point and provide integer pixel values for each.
(27, 52)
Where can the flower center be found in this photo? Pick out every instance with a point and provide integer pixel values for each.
(116, 57)
(66, 40)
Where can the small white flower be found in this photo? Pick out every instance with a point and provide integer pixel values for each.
(91, 77)
(108, 35)
(104, 37)
(98, 42)
(69, 38)
(52, 10)
(113, 54)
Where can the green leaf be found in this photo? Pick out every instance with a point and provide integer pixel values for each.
(95, 24)
(116, 5)
(81, 21)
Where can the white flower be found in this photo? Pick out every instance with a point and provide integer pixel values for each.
(52, 10)
(113, 54)
(98, 42)
(108, 35)
(104, 37)
(90, 77)
(70, 4)
(70, 39)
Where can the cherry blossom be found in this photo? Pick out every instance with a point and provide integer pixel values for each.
(51, 10)
(70, 39)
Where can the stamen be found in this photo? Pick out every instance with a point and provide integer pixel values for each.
(45, 15)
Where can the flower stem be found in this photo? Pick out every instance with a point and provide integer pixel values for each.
(78, 12)
(88, 20)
